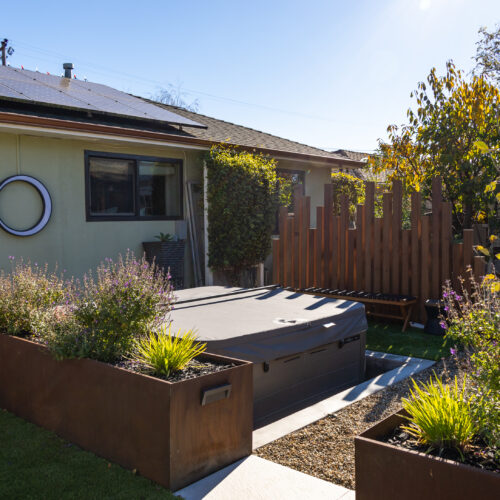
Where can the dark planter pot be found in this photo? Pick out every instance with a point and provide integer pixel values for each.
(433, 309)
(172, 433)
(167, 254)
(385, 471)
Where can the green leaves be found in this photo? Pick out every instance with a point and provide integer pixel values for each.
(243, 196)
(473, 319)
(483, 250)
(452, 133)
(481, 146)
(165, 353)
(440, 416)
(349, 185)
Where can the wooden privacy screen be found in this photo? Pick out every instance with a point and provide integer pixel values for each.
(374, 254)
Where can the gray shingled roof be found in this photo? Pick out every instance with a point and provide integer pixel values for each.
(351, 155)
(222, 131)
(49, 95)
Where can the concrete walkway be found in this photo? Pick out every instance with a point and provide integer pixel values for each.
(255, 478)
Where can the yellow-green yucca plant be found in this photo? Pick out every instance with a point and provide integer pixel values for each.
(165, 353)
(440, 416)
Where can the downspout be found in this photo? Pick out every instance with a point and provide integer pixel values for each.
(18, 154)
(209, 277)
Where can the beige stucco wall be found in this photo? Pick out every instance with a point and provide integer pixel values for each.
(68, 239)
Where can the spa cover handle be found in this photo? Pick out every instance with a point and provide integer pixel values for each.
(215, 394)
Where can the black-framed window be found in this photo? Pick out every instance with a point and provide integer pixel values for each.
(295, 177)
(125, 187)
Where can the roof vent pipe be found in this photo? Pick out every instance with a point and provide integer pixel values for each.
(67, 69)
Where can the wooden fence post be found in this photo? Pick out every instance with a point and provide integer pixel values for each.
(319, 247)
(359, 268)
(369, 217)
(386, 244)
(436, 237)
(327, 240)
(397, 192)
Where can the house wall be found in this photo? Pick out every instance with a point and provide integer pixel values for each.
(69, 240)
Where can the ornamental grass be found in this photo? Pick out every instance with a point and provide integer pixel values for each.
(164, 353)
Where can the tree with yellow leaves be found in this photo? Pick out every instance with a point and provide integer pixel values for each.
(446, 136)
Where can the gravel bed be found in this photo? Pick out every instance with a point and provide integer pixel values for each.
(325, 449)
(195, 368)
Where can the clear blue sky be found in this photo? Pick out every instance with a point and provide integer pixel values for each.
(327, 73)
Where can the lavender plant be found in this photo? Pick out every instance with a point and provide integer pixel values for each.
(473, 321)
(123, 300)
(30, 296)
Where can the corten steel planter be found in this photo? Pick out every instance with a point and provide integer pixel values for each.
(172, 433)
(385, 471)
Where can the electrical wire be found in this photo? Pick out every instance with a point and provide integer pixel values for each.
(106, 71)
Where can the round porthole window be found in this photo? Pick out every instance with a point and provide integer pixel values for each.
(46, 205)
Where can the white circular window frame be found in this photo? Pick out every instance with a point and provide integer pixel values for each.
(46, 205)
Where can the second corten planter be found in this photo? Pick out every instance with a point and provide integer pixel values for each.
(386, 472)
(172, 433)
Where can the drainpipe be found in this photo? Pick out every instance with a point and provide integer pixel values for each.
(209, 277)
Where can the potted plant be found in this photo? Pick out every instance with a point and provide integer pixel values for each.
(445, 442)
(92, 363)
(168, 254)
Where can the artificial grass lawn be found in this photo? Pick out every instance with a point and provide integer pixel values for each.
(388, 337)
(37, 464)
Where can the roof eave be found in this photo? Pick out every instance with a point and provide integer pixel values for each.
(55, 123)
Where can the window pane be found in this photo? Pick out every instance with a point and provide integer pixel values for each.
(159, 189)
(112, 186)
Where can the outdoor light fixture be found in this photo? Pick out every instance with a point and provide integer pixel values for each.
(46, 202)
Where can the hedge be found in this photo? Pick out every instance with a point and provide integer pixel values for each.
(243, 196)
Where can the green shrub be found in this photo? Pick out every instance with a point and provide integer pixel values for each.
(440, 416)
(349, 185)
(29, 295)
(473, 321)
(123, 301)
(243, 196)
(165, 353)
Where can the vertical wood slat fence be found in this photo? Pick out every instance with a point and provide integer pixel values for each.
(376, 255)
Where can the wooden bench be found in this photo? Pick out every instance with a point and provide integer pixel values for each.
(405, 303)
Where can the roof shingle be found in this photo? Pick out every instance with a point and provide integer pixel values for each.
(223, 131)
(216, 131)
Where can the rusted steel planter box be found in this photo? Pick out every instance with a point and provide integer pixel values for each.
(385, 471)
(172, 433)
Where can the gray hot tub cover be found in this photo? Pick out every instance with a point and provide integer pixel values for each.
(262, 325)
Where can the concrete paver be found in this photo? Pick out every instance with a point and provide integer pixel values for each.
(255, 478)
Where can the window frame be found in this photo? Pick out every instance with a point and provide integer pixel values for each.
(136, 158)
(302, 173)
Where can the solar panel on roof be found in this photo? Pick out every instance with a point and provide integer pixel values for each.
(40, 88)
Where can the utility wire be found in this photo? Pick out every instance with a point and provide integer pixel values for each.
(106, 71)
